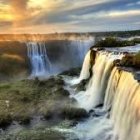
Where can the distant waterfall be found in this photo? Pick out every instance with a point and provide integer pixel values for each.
(40, 63)
(53, 57)
(123, 95)
(97, 85)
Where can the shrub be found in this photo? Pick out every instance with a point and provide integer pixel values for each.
(13, 58)
(74, 113)
(114, 42)
(12, 64)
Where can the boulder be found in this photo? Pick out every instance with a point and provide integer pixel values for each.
(74, 113)
(81, 85)
(5, 120)
(72, 72)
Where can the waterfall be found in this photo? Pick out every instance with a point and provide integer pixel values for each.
(53, 57)
(84, 74)
(119, 93)
(95, 91)
(123, 96)
(85, 68)
(40, 63)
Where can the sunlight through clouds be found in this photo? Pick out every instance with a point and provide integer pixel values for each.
(69, 15)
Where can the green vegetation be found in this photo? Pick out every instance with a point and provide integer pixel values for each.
(74, 113)
(118, 33)
(13, 48)
(114, 42)
(12, 65)
(13, 59)
(55, 36)
(72, 72)
(21, 100)
(35, 134)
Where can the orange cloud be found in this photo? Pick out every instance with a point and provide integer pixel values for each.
(19, 11)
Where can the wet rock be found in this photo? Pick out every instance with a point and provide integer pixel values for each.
(72, 72)
(125, 53)
(137, 76)
(117, 62)
(73, 123)
(92, 61)
(23, 120)
(98, 113)
(99, 106)
(131, 60)
(51, 82)
(48, 115)
(74, 113)
(61, 91)
(5, 120)
(72, 101)
(100, 49)
(127, 61)
(36, 80)
(81, 85)
(91, 111)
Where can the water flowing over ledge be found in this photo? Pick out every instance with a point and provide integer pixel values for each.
(38, 58)
(96, 87)
(123, 96)
(53, 57)
(117, 92)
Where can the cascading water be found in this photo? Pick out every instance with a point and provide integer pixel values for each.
(85, 68)
(84, 74)
(97, 85)
(39, 60)
(119, 92)
(123, 96)
(53, 57)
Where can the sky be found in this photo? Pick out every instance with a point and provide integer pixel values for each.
(49, 16)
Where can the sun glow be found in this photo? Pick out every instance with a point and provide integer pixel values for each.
(46, 5)
(5, 14)
(37, 3)
(6, 17)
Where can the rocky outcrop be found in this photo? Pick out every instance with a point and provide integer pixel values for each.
(72, 72)
(129, 60)
(92, 60)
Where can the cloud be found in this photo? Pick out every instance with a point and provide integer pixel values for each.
(19, 9)
(74, 15)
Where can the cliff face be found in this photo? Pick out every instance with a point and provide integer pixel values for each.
(13, 59)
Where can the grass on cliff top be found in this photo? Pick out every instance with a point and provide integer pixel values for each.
(21, 100)
(35, 135)
(114, 42)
